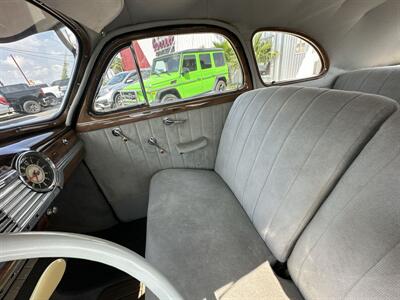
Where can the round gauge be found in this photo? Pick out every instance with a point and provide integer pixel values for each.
(36, 170)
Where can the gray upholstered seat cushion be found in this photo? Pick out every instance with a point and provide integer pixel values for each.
(383, 81)
(351, 249)
(283, 149)
(199, 237)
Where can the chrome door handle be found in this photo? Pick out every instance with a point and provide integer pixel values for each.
(169, 121)
(118, 132)
(153, 142)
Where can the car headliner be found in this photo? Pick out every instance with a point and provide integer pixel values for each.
(354, 33)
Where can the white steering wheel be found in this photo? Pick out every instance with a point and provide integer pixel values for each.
(15, 246)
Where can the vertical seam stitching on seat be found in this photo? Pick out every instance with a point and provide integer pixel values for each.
(282, 145)
(364, 80)
(343, 159)
(384, 82)
(250, 131)
(342, 210)
(370, 268)
(284, 103)
(240, 123)
(351, 100)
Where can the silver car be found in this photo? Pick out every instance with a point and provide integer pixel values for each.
(109, 96)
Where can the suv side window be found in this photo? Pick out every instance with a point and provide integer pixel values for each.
(173, 68)
(189, 62)
(205, 61)
(219, 59)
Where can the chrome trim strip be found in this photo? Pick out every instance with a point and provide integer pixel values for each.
(7, 177)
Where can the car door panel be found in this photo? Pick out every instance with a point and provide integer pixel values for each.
(124, 169)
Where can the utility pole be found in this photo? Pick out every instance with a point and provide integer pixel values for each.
(19, 68)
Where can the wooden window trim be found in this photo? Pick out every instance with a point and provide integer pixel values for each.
(88, 120)
(318, 48)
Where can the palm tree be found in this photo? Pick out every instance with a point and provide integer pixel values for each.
(116, 65)
(230, 54)
(263, 49)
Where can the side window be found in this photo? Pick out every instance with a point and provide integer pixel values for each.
(189, 63)
(283, 56)
(205, 61)
(163, 63)
(219, 59)
(35, 65)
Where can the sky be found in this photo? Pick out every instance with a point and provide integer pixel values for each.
(40, 56)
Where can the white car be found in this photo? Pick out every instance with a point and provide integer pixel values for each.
(53, 94)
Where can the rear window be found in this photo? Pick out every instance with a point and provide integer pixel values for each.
(283, 56)
(37, 60)
(219, 59)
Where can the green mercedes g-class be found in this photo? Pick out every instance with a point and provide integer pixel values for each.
(182, 75)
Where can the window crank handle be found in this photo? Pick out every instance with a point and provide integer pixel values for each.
(118, 132)
(153, 141)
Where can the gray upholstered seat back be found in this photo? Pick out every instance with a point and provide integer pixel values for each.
(351, 249)
(383, 81)
(283, 149)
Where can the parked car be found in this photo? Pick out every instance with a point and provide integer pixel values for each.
(193, 72)
(4, 106)
(53, 94)
(23, 98)
(62, 84)
(109, 96)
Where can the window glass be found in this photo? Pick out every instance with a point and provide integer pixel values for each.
(189, 63)
(283, 56)
(219, 59)
(35, 64)
(174, 68)
(205, 61)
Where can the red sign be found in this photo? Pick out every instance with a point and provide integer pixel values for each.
(162, 43)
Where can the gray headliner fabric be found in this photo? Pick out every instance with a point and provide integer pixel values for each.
(283, 149)
(351, 248)
(383, 81)
(130, 165)
(198, 235)
(355, 33)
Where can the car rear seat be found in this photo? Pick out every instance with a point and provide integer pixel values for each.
(216, 233)
(383, 81)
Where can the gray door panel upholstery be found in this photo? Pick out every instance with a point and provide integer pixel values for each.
(124, 170)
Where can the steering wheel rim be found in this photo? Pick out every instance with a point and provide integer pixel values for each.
(15, 246)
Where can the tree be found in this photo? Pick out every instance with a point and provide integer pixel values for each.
(116, 65)
(263, 49)
(64, 71)
(230, 54)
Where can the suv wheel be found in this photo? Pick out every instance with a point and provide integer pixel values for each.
(168, 98)
(220, 86)
(31, 107)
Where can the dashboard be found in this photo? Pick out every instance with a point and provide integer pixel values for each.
(32, 173)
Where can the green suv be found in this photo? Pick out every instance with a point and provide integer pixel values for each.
(182, 75)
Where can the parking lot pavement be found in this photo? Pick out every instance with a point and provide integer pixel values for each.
(9, 118)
